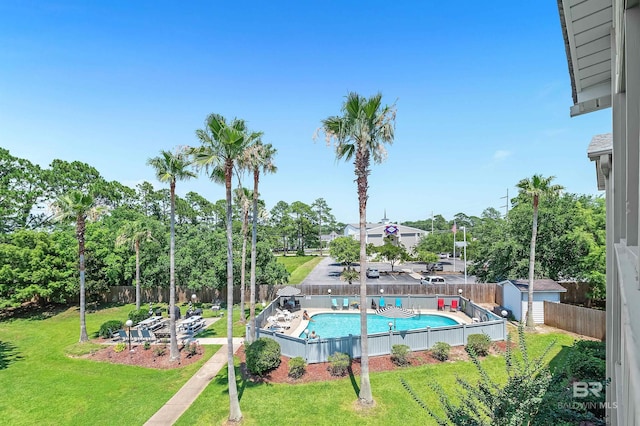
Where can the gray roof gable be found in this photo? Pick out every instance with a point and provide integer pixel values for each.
(541, 285)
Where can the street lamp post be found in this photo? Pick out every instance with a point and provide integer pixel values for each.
(464, 248)
(129, 323)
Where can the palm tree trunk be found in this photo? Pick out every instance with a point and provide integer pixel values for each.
(137, 243)
(84, 337)
(365, 397)
(243, 261)
(235, 414)
(532, 260)
(174, 353)
(254, 239)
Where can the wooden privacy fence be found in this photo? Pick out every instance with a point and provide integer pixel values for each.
(479, 293)
(584, 321)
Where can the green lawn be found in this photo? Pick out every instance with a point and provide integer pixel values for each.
(299, 266)
(332, 402)
(42, 384)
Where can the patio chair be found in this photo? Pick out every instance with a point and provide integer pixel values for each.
(146, 334)
(345, 304)
(373, 305)
(441, 304)
(454, 305)
(381, 304)
(398, 303)
(122, 335)
(135, 335)
(334, 304)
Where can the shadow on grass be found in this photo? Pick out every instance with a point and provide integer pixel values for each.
(32, 312)
(207, 333)
(354, 382)
(8, 354)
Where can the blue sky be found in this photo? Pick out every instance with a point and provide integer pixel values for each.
(482, 93)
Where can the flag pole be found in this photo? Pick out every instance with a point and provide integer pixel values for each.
(454, 229)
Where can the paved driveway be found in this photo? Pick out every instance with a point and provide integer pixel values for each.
(328, 271)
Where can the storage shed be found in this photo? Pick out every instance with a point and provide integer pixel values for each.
(516, 295)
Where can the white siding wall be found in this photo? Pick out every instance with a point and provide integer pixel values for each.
(512, 299)
(538, 304)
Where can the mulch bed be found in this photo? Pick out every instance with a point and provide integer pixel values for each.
(141, 357)
(319, 372)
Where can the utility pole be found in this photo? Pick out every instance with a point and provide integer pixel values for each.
(506, 204)
(432, 221)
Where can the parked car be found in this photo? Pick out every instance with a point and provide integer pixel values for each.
(431, 267)
(432, 280)
(373, 273)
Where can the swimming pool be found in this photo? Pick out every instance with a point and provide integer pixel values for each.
(340, 325)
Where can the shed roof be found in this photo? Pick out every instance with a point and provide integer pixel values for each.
(540, 285)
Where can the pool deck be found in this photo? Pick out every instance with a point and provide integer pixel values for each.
(298, 325)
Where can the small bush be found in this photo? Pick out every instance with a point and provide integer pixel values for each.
(109, 327)
(139, 315)
(479, 343)
(297, 367)
(147, 346)
(400, 355)
(339, 364)
(159, 350)
(262, 355)
(441, 351)
(191, 349)
(119, 347)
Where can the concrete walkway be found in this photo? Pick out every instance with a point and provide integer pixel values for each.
(182, 400)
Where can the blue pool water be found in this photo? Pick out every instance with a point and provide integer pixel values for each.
(340, 325)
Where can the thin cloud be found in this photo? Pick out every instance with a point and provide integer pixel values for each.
(501, 155)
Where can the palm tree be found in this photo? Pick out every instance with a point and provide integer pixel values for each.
(171, 167)
(257, 156)
(222, 145)
(535, 188)
(242, 197)
(361, 133)
(135, 233)
(79, 207)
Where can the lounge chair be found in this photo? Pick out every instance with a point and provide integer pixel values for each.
(334, 304)
(441, 304)
(146, 334)
(123, 335)
(345, 304)
(382, 305)
(373, 305)
(454, 305)
(398, 303)
(135, 335)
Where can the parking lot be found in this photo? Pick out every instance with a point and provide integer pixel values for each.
(328, 272)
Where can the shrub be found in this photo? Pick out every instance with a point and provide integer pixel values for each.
(400, 355)
(109, 327)
(262, 355)
(297, 367)
(139, 315)
(159, 350)
(147, 346)
(479, 344)
(441, 351)
(191, 349)
(119, 347)
(339, 364)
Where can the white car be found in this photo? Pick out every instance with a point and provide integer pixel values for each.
(432, 280)
(373, 273)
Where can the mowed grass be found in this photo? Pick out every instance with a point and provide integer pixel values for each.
(331, 403)
(299, 266)
(42, 384)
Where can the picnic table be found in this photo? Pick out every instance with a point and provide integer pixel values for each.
(151, 323)
(192, 324)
